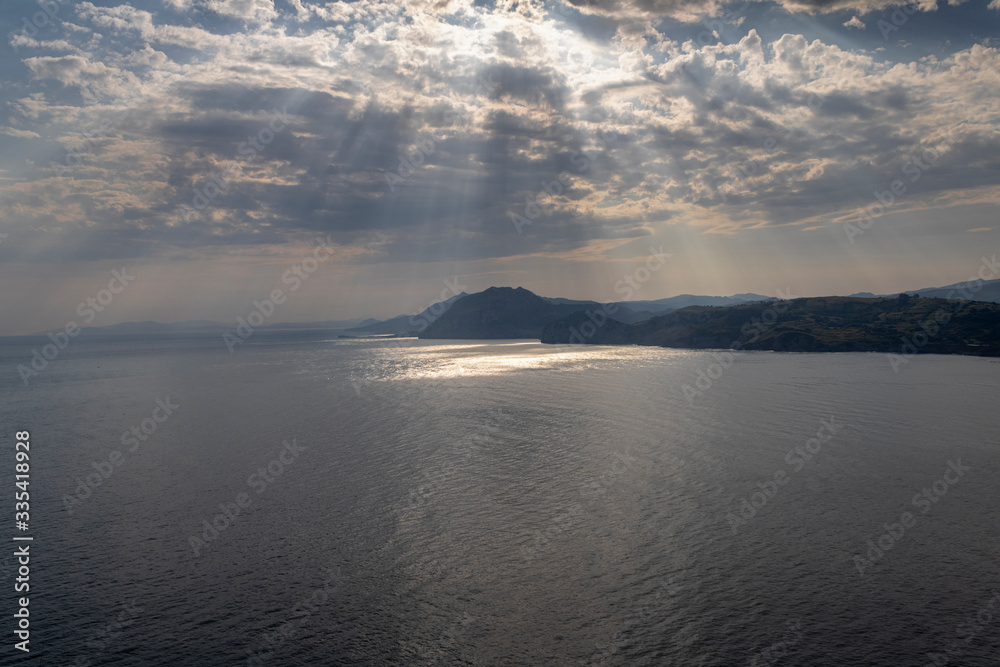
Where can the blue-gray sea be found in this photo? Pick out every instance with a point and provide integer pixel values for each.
(502, 503)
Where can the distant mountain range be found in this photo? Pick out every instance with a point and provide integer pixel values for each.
(505, 312)
(989, 291)
(151, 326)
(403, 323)
(412, 325)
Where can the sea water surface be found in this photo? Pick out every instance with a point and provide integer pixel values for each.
(503, 503)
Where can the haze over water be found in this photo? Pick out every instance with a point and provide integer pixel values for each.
(507, 503)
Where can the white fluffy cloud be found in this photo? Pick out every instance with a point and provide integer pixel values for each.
(254, 11)
(690, 10)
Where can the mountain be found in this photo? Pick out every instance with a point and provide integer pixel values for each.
(507, 312)
(643, 310)
(661, 306)
(499, 312)
(402, 324)
(147, 326)
(394, 325)
(989, 291)
(623, 311)
(150, 326)
(813, 324)
(562, 302)
(336, 325)
(748, 296)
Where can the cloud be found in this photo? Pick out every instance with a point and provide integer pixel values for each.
(409, 137)
(693, 10)
(92, 78)
(22, 134)
(252, 11)
(855, 22)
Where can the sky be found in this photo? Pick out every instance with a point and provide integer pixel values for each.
(368, 158)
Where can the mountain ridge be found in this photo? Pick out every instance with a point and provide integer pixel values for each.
(809, 324)
(636, 311)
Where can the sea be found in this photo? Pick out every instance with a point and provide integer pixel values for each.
(313, 500)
